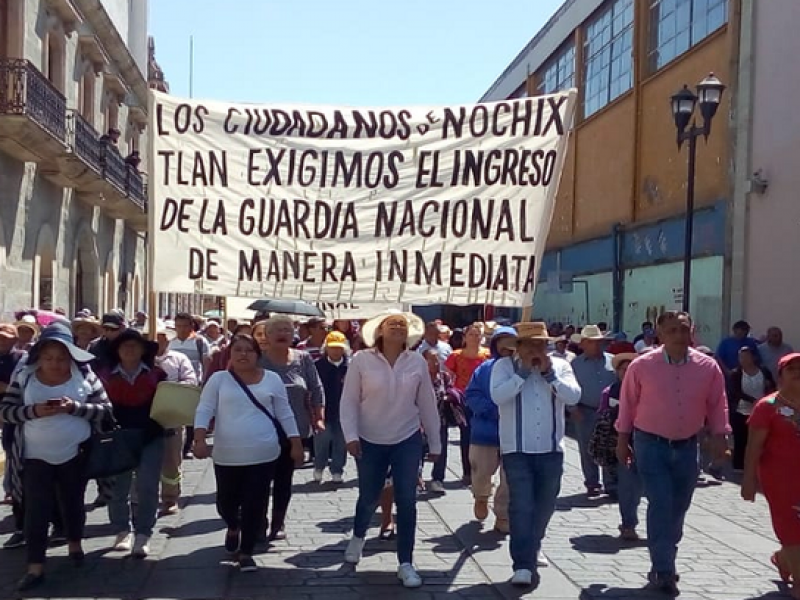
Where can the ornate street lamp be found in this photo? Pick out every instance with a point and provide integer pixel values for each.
(684, 103)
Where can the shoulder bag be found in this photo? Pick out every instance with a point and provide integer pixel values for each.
(283, 439)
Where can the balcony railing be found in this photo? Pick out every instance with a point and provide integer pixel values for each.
(85, 141)
(25, 91)
(135, 187)
(114, 166)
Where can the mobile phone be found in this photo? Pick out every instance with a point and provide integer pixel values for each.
(54, 402)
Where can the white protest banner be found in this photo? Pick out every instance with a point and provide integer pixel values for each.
(325, 204)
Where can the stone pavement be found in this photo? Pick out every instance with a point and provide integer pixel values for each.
(725, 555)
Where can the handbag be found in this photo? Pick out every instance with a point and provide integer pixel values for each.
(175, 404)
(113, 452)
(283, 439)
(602, 446)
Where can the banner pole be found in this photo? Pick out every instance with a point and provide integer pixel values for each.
(151, 220)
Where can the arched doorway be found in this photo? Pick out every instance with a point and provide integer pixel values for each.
(86, 273)
(44, 270)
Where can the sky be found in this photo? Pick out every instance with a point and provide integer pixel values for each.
(345, 52)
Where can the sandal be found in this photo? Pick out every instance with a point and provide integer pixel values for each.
(786, 576)
(387, 535)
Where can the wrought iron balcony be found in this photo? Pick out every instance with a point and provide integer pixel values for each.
(32, 112)
(85, 141)
(135, 187)
(114, 166)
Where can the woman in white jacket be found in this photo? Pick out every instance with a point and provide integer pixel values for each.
(252, 415)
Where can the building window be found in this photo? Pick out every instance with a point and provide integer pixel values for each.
(677, 25)
(55, 62)
(559, 72)
(609, 55)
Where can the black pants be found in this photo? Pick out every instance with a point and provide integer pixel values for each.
(281, 493)
(242, 493)
(188, 440)
(46, 488)
(739, 427)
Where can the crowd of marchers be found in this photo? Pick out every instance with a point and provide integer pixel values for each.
(652, 416)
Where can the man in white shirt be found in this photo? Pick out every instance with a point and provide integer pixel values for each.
(179, 370)
(532, 391)
(430, 339)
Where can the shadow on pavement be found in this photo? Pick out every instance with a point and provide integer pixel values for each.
(567, 503)
(312, 487)
(603, 544)
(600, 590)
(342, 525)
(190, 528)
(470, 537)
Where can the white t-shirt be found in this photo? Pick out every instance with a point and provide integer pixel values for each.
(56, 439)
(752, 385)
(243, 435)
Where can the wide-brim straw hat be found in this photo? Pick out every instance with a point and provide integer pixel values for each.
(590, 332)
(622, 357)
(92, 322)
(29, 322)
(532, 330)
(416, 327)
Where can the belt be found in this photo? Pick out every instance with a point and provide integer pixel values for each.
(667, 441)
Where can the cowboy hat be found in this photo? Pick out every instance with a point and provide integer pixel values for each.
(150, 349)
(590, 332)
(535, 330)
(416, 327)
(61, 333)
(618, 359)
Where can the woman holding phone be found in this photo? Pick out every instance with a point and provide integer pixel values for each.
(54, 401)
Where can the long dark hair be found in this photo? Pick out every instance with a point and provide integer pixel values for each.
(247, 339)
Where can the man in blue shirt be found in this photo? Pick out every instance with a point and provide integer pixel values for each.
(728, 349)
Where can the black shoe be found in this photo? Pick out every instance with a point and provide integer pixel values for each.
(77, 557)
(277, 536)
(232, 541)
(100, 502)
(58, 538)
(30, 581)
(17, 540)
(247, 564)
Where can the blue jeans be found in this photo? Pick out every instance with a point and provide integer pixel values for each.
(373, 467)
(329, 445)
(148, 477)
(629, 492)
(591, 472)
(534, 481)
(669, 475)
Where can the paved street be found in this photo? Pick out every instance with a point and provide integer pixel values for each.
(725, 555)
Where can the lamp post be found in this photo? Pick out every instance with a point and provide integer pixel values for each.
(708, 97)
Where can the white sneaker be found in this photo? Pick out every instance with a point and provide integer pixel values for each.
(437, 487)
(522, 578)
(123, 542)
(541, 560)
(141, 546)
(354, 549)
(318, 474)
(409, 576)
(337, 478)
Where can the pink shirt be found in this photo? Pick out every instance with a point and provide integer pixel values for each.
(387, 405)
(673, 400)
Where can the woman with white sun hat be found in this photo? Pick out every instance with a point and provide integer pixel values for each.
(387, 401)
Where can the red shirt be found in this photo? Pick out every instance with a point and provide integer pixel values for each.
(464, 367)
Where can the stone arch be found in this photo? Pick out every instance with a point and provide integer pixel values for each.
(44, 269)
(86, 272)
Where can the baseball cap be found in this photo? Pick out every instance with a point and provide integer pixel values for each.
(8, 331)
(336, 339)
(787, 359)
(113, 321)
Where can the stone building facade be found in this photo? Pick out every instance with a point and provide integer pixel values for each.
(73, 210)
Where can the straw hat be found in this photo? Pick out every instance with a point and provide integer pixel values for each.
(28, 321)
(621, 358)
(416, 327)
(589, 332)
(92, 322)
(536, 330)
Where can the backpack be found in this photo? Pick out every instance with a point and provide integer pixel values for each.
(603, 442)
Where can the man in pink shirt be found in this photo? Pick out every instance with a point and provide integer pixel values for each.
(668, 397)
